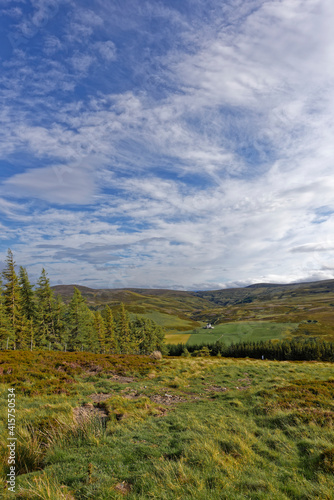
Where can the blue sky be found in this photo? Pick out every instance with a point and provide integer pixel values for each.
(168, 144)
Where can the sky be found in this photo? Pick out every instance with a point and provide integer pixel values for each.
(166, 143)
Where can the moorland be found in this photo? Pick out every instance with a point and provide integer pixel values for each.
(103, 427)
(206, 420)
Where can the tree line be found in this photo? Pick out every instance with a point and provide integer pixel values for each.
(33, 317)
(283, 350)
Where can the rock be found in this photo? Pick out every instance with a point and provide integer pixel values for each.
(156, 355)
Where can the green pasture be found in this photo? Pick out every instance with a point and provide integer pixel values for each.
(177, 338)
(240, 331)
(170, 322)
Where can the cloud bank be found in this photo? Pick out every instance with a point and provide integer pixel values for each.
(160, 146)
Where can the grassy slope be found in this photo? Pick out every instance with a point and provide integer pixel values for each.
(311, 305)
(180, 428)
(170, 322)
(171, 309)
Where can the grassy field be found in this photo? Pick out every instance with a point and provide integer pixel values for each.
(236, 332)
(170, 322)
(112, 427)
(177, 338)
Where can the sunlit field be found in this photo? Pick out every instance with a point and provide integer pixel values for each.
(242, 331)
(111, 427)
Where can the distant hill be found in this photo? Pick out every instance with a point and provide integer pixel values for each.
(172, 309)
(310, 304)
(267, 291)
(126, 295)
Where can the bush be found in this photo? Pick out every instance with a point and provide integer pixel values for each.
(202, 353)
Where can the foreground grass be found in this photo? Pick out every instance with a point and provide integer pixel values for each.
(185, 428)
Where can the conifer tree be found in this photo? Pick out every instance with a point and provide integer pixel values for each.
(100, 331)
(6, 332)
(23, 333)
(124, 332)
(46, 331)
(82, 334)
(11, 291)
(59, 322)
(27, 296)
(110, 331)
(148, 335)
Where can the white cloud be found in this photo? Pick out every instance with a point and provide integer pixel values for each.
(106, 49)
(246, 107)
(60, 184)
(52, 45)
(88, 17)
(81, 62)
(14, 12)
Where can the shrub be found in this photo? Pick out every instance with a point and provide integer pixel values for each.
(202, 353)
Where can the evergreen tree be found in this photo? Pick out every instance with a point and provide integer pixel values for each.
(11, 292)
(100, 330)
(60, 323)
(82, 334)
(147, 336)
(46, 312)
(124, 332)
(24, 331)
(6, 331)
(110, 331)
(27, 296)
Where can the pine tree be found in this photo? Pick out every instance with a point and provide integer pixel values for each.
(46, 312)
(147, 336)
(110, 331)
(100, 330)
(123, 331)
(59, 322)
(27, 296)
(23, 333)
(6, 332)
(11, 292)
(82, 334)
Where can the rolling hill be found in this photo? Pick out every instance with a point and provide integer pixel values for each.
(310, 306)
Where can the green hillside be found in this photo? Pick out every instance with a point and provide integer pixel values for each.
(174, 310)
(308, 306)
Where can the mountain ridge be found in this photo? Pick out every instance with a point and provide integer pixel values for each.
(156, 291)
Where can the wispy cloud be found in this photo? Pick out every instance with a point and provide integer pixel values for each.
(59, 184)
(187, 147)
(106, 49)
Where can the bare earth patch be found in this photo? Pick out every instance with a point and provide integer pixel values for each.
(87, 411)
(166, 399)
(123, 380)
(123, 488)
(216, 388)
(97, 398)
